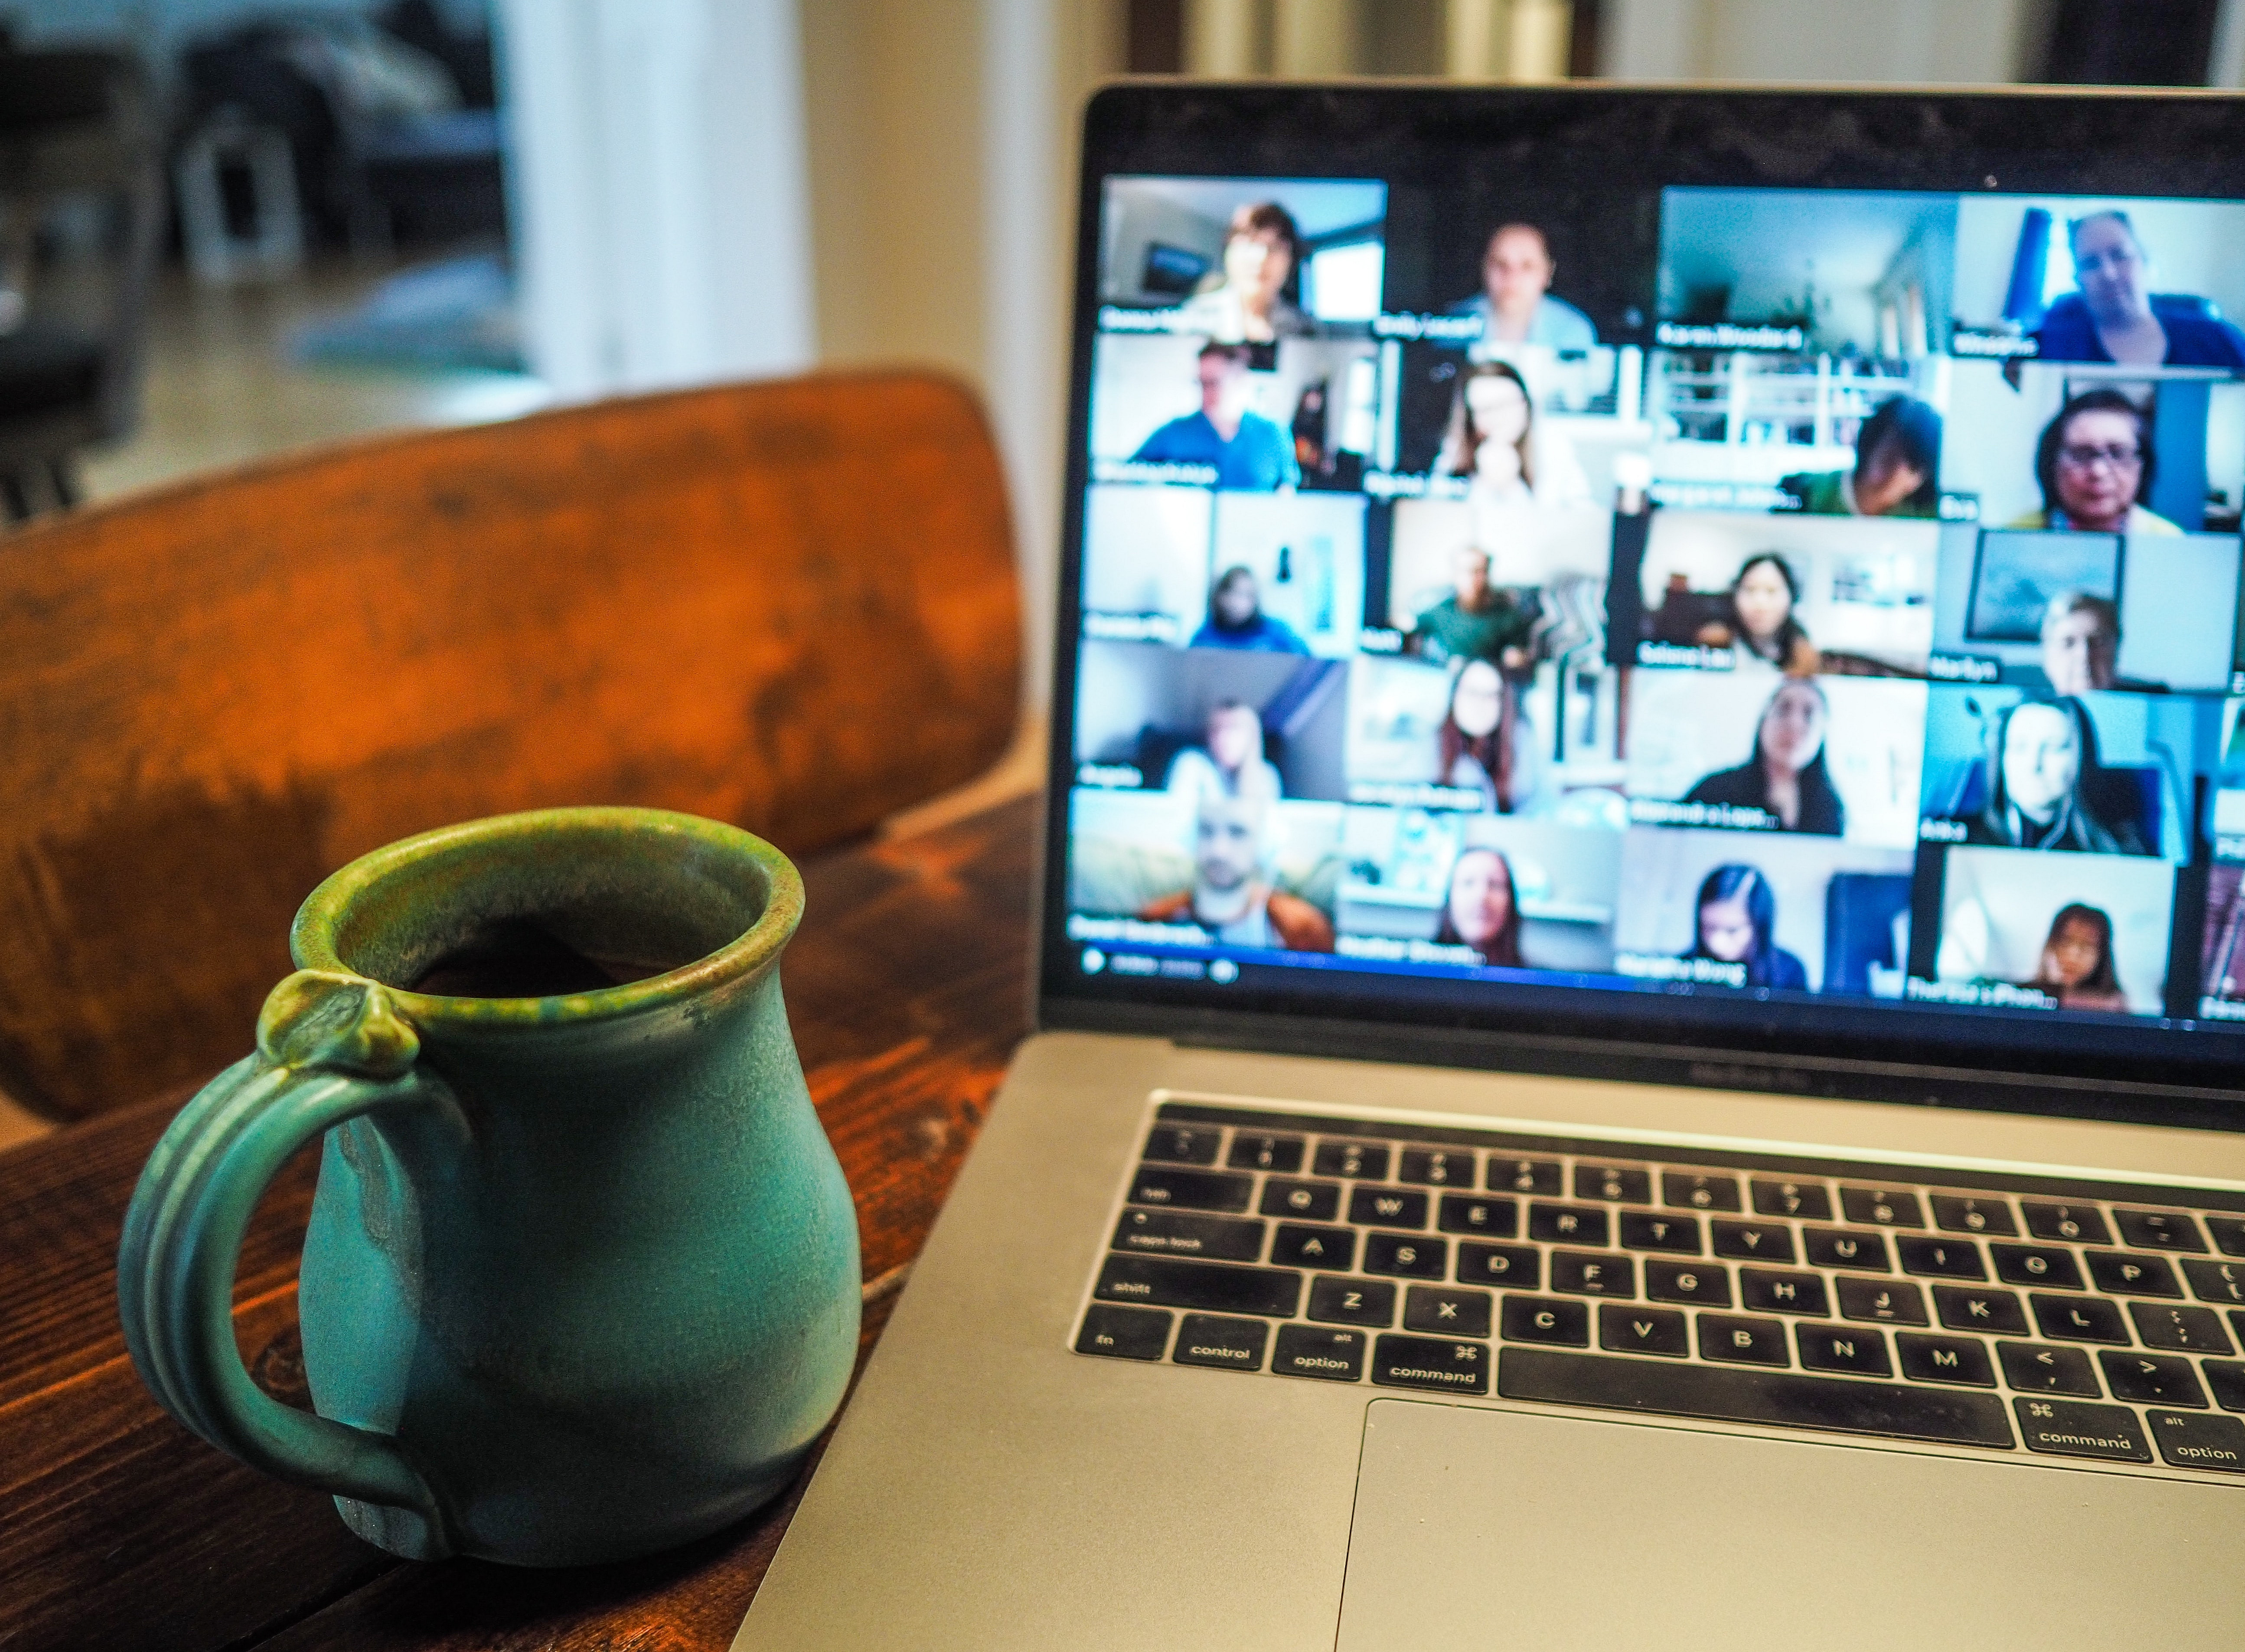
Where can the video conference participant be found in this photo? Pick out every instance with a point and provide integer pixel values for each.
(1761, 623)
(1230, 898)
(2094, 462)
(1897, 460)
(2076, 967)
(2114, 316)
(1246, 302)
(1476, 621)
(1231, 762)
(1251, 453)
(1786, 776)
(2081, 643)
(1483, 745)
(1482, 910)
(1236, 618)
(1493, 441)
(1515, 302)
(2046, 789)
(1735, 921)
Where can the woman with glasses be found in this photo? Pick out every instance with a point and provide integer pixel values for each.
(2094, 463)
(2114, 316)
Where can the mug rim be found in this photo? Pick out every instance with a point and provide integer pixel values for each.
(312, 935)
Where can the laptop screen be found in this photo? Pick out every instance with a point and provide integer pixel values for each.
(1640, 595)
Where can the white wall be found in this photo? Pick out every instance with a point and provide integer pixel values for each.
(1969, 41)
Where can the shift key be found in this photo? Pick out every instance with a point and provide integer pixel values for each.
(1211, 1287)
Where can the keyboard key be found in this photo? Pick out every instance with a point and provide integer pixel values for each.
(1123, 1333)
(1438, 1167)
(1840, 1348)
(1738, 1341)
(1808, 1199)
(1446, 1311)
(1308, 1201)
(2226, 1379)
(1178, 1232)
(2078, 1224)
(2158, 1230)
(1305, 1351)
(2200, 1442)
(1620, 1183)
(2068, 1428)
(1964, 1309)
(1387, 1208)
(1293, 1245)
(1567, 1224)
(1593, 1273)
(1182, 1144)
(2222, 1282)
(1642, 1330)
(1958, 1214)
(1405, 1257)
(1356, 1161)
(2078, 1319)
(1693, 1282)
(1162, 1283)
(1881, 1207)
(1945, 1359)
(2037, 1368)
(1642, 1230)
(1881, 1303)
(1752, 1241)
(1352, 1301)
(1426, 1362)
(1860, 1249)
(1255, 1152)
(1774, 1292)
(2043, 1265)
(1781, 1399)
(2125, 1275)
(1524, 1176)
(1690, 1190)
(2152, 1379)
(1191, 1189)
(1484, 1218)
(1514, 1266)
(1545, 1319)
(1941, 1258)
(1228, 1344)
(2229, 1234)
(2192, 1330)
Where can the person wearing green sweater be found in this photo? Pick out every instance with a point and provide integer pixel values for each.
(1477, 621)
(1897, 467)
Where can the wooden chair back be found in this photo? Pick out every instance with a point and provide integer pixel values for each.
(792, 606)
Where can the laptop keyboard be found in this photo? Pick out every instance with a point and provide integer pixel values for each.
(2071, 1321)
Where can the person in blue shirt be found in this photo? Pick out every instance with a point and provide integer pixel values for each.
(1236, 618)
(1251, 453)
(1516, 304)
(2116, 317)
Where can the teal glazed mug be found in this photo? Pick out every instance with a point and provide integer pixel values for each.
(581, 1281)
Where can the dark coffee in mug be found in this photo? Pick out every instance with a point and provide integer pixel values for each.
(523, 958)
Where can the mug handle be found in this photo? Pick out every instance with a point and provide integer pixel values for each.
(330, 1047)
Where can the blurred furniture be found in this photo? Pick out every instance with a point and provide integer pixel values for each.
(907, 989)
(271, 241)
(789, 605)
(81, 210)
(1859, 912)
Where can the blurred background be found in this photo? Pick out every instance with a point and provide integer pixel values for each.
(228, 227)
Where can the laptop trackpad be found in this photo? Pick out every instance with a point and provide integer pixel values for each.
(1489, 1528)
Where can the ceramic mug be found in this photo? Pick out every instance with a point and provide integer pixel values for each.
(581, 1281)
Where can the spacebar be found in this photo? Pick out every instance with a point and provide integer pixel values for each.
(1781, 1399)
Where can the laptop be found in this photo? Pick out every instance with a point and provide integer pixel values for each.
(1641, 975)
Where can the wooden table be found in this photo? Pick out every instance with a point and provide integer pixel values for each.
(908, 990)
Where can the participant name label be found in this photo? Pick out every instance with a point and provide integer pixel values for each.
(1998, 995)
(1400, 794)
(1963, 668)
(1966, 341)
(1443, 330)
(1724, 334)
(1132, 627)
(1146, 935)
(1387, 949)
(1709, 972)
(1734, 817)
(1130, 470)
(1691, 657)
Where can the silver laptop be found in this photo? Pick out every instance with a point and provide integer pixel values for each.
(1641, 976)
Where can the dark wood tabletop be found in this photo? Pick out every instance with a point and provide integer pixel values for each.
(907, 990)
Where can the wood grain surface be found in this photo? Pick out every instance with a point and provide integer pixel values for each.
(792, 605)
(907, 987)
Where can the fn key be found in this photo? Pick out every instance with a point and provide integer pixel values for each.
(1123, 1333)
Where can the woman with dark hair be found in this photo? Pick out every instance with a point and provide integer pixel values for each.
(1247, 302)
(1480, 745)
(1786, 777)
(2076, 967)
(1762, 622)
(2095, 464)
(1897, 467)
(1236, 618)
(1482, 910)
(1734, 921)
(2046, 788)
(1494, 442)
